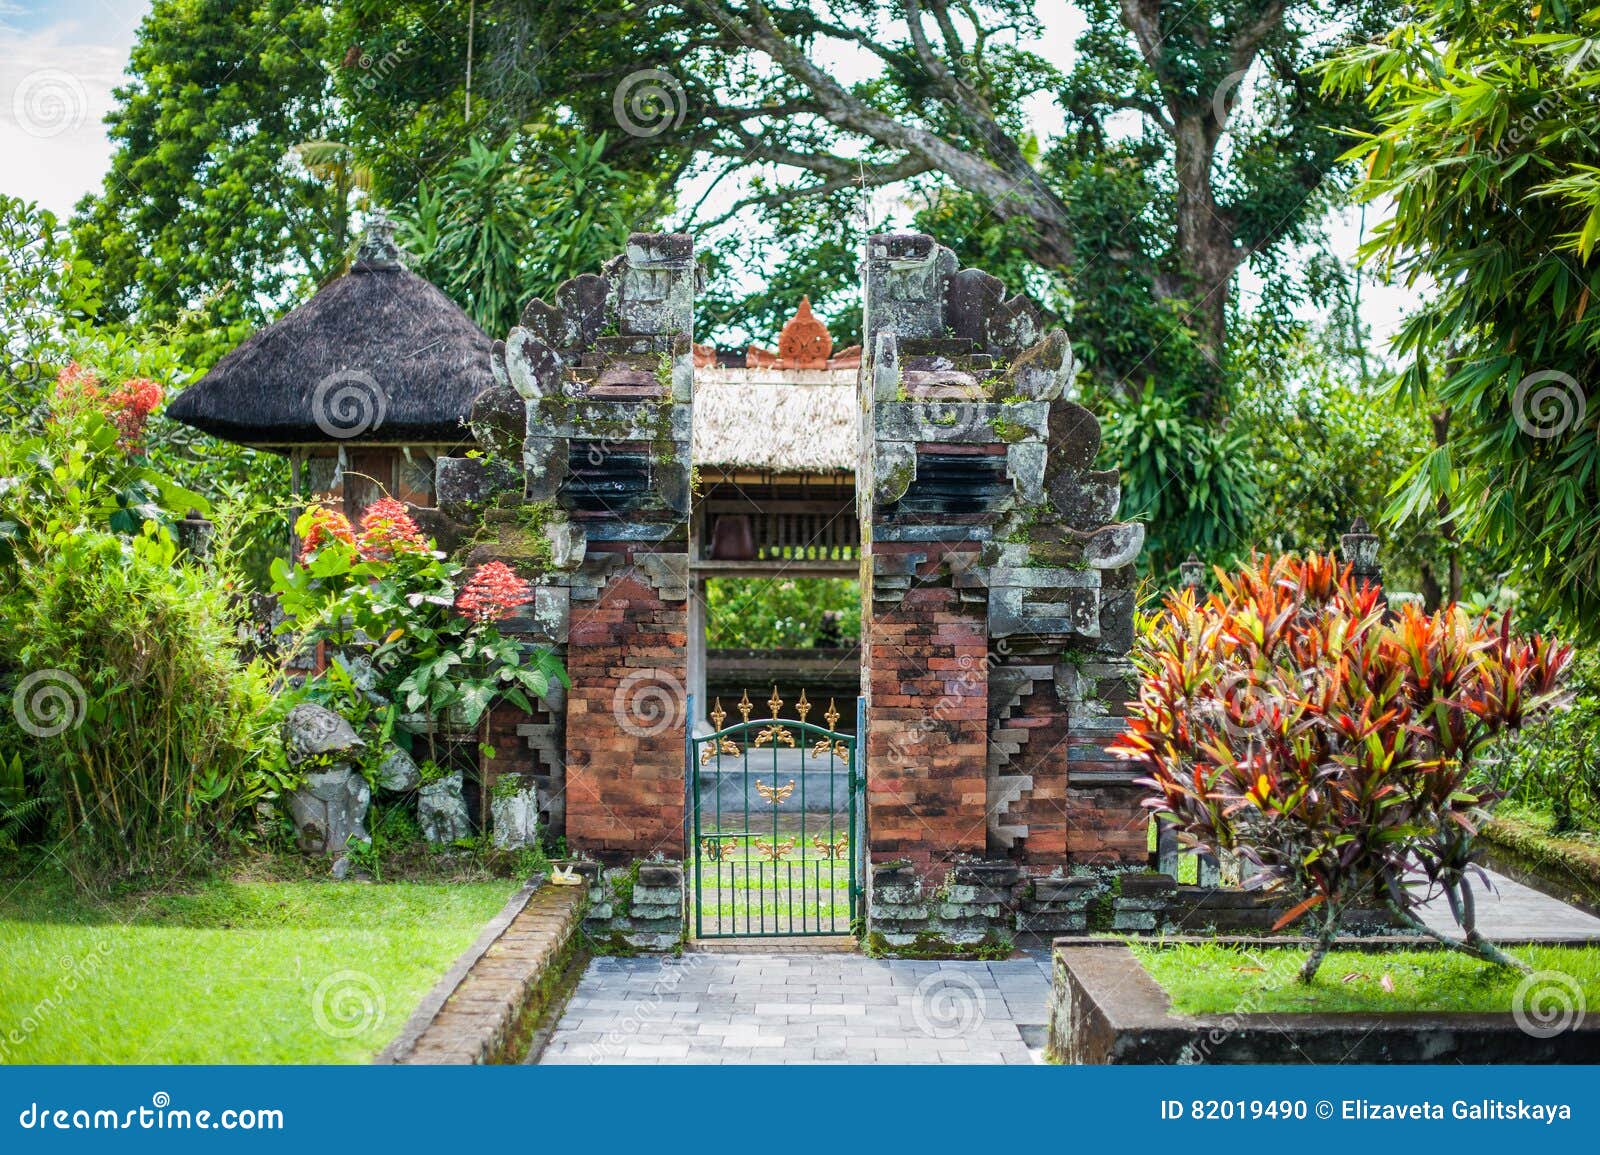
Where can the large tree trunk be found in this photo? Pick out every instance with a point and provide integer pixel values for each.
(1205, 248)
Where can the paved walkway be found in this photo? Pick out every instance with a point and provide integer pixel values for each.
(1513, 911)
(804, 1008)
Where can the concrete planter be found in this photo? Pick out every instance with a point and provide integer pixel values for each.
(1105, 1008)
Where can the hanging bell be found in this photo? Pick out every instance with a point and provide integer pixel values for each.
(733, 539)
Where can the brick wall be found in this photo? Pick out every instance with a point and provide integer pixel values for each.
(1105, 822)
(627, 658)
(924, 668)
(1043, 758)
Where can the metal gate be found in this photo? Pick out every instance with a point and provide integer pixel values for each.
(775, 806)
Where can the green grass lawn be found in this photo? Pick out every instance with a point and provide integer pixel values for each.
(1214, 979)
(296, 972)
(804, 892)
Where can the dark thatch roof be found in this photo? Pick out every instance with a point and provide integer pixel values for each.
(377, 355)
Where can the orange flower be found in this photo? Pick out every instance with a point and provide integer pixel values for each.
(324, 525)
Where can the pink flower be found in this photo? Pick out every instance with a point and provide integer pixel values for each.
(493, 593)
(387, 529)
(130, 407)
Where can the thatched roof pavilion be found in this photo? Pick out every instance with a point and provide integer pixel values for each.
(370, 379)
(378, 355)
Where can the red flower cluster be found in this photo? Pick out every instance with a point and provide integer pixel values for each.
(128, 406)
(387, 529)
(324, 525)
(493, 592)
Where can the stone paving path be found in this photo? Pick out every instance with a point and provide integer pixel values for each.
(804, 1008)
(1514, 911)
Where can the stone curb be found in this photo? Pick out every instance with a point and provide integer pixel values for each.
(509, 957)
(1105, 1008)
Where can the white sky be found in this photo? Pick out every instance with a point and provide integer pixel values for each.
(60, 59)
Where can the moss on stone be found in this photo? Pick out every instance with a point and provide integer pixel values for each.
(932, 945)
(1009, 431)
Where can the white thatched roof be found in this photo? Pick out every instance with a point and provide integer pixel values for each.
(790, 422)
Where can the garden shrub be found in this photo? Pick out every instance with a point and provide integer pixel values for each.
(427, 632)
(1292, 718)
(137, 725)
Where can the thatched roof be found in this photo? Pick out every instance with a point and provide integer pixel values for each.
(778, 425)
(378, 354)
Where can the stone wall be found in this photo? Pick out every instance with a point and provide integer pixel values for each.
(625, 759)
(583, 485)
(995, 902)
(923, 662)
(634, 908)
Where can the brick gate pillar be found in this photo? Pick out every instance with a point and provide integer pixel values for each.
(997, 588)
(586, 475)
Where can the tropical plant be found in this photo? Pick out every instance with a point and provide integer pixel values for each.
(430, 637)
(504, 223)
(1290, 719)
(1554, 765)
(1191, 483)
(1485, 149)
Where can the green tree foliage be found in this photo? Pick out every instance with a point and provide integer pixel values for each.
(1486, 150)
(780, 614)
(1326, 446)
(503, 224)
(57, 291)
(205, 203)
(47, 287)
(1196, 140)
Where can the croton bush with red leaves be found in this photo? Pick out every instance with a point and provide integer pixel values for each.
(1335, 744)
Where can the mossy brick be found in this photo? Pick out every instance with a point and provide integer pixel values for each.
(1069, 890)
(970, 910)
(1147, 885)
(1134, 920)
(898, 893)
(983, 894)
(656, 895)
